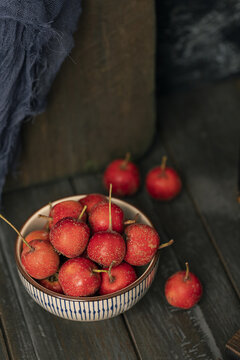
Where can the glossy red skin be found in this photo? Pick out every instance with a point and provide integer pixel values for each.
(42, 261)
(77, 278)
(52, 284)
(68, 208)
(104, 247)
(70, 237)
(125, 181)
(37, 234)
(183, 294)
(163, 185)
(99, 217)
(123, 275)
(91, 200)
(142, 244)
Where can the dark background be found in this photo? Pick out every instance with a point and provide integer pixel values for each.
(197, 42)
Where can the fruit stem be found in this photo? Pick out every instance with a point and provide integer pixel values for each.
(170, 242)
(133, 221)
(83, 211)
(45, 217)
(163, 163)
(111, 278)
(125, 161)
(99, 271)
(110, 208)
(129, 222)
(186, 277)
(13, 227)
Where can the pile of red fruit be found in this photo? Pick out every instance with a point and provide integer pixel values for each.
(88, 248)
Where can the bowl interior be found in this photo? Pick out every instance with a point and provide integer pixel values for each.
(36, 223)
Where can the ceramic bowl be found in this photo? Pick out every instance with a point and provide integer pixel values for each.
(91, 308)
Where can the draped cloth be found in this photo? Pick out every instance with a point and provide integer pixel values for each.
(35, 38)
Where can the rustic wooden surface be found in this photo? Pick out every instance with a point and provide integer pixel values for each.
(199, 137)
(103, 92)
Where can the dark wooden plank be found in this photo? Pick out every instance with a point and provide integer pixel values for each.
(14, 332)
(107, 339)
(105, 86)
(162, 331)
(3, 347)
(202, 131)
(56, 338)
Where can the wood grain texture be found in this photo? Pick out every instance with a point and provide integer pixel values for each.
(202, 131)
(52, 337)
(102, 101)
(14, 333)
(3, 346)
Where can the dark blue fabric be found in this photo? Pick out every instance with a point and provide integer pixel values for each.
(35, 37)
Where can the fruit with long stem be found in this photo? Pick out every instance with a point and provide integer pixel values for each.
(39, 258)
(183, 289)
(99, 218)
(162, 182)
(104, 247)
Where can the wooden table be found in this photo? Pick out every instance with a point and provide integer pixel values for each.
(204, 221)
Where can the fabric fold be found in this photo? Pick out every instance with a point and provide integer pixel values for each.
(35, 38)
